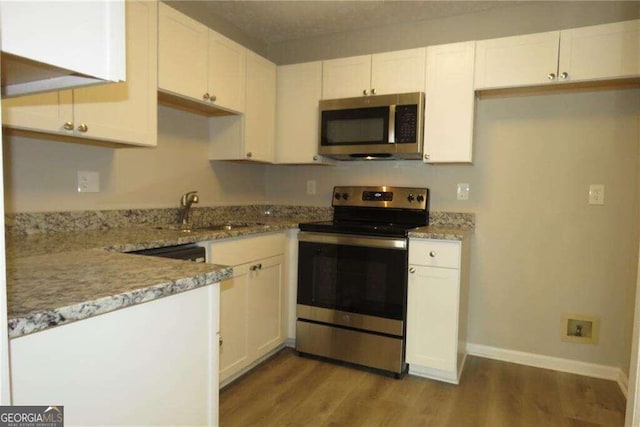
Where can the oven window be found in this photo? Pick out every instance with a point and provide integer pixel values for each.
(355, 279)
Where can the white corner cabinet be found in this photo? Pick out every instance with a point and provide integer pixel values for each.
(598, 52)
(51, 45)
(123, 112)
(197, 65)
(252, 303)
(250, 136)
(449, 103)
(298, 90)
(437, 308)
(382, 73)
(154, 363)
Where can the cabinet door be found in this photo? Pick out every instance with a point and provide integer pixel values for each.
(266, 326)
(260, 118)
(227, 68)
(182, 53)
(44, 112)
(450, 102)
(346, 77)
(299, 88)
(432, 317)
(600, 51)
(234, 328)
(517, 61)
(84, 37)
(398, 72)
(126, 112)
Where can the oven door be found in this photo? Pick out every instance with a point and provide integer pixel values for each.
(360, 280)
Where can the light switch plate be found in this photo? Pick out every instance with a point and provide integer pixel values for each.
(596, 194)
(463, 191)
(311, 187)
(88, 182)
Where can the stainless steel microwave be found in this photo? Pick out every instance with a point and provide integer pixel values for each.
(372, 127)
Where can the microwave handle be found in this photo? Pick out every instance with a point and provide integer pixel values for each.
(392, 124)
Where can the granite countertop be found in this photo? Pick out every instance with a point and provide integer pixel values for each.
(441, 233)
(58, 278)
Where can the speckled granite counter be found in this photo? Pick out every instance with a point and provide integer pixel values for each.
(58, 278)
(441, 233)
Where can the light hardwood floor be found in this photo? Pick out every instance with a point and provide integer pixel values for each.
(288, 390)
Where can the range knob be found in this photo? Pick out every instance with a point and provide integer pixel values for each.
(337, 196)
(410, 198)
(345, 196)
(420, 198)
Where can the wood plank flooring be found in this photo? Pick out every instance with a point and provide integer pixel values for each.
(288, 390)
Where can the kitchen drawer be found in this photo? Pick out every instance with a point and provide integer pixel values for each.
(434, 253)
(243, 250)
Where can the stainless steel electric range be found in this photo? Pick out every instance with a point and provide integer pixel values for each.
(352, 277)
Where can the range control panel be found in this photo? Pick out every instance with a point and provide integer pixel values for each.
(381, 197)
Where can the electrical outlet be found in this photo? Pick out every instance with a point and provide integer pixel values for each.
(88, 182)
(596, 194)
(463, 191)
(311, 187)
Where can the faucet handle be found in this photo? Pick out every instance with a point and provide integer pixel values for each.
(187, 196)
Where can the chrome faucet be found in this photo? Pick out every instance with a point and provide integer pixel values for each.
(185, 203)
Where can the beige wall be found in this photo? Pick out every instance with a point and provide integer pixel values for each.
(539, 249)
(41, 175)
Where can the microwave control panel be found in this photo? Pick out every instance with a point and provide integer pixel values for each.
(406, 123)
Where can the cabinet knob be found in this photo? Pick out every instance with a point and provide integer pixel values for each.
(551, 76)
(426, 156)
(220, 342)
(83, 128)
(412, 270)
(249, 154)
(315, 158)
(68, 126)
(365, 92)
(213, 98)
(564, 75)
(373, 91)
(432, 254)
(206, 96)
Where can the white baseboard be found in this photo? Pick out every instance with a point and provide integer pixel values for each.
(554, 363)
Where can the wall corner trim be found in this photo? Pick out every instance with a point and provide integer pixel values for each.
(553, 363)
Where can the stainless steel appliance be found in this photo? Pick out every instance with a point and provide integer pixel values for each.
(372, 127)
(352, 276)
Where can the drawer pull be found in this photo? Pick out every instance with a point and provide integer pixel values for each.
(412, 270)
(432, 254)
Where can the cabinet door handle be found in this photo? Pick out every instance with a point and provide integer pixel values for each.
(564, 75)
(220, 342)
(315, 158)
(83, 128)
(206, 96)
(373, 91)
(213, 98)
(249, 154)
(427, 156)
(432, 254)
(551, 76)
(412, 270)
(68, 126)
(365, 92)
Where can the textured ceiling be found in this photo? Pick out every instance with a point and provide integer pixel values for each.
(273, 21)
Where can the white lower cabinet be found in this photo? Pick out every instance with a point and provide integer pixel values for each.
(252, 314)
(437, 308)
(154, 363)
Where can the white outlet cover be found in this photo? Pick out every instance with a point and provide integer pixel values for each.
(311, 187)
(596, 194)
(463, 191)
(88, 182)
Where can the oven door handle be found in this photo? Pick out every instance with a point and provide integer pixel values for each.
(353, 240)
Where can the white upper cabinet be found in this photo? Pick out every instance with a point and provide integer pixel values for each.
(346, 77)
(299, 88)
(227, 68)
(252, 135)
(70, 44)
(517, 61)
(401, 71)
(599, 52)
(450, 103)
(606, 51)
(384, 73)
(260, 115)
(123, 112)
(182, 53)
(198, 65)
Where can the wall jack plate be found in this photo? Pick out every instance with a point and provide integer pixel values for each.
(596, 194)
(462, 192)
(88, 182)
